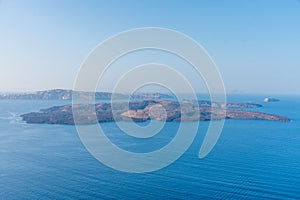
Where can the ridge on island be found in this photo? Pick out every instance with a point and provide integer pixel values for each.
(140, 111)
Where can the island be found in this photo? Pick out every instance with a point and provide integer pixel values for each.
(269, 99)
(143, 110)
(62, 94)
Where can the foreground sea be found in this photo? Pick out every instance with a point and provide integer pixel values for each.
(252, 159)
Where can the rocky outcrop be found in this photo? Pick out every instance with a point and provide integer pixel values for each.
(139, 111)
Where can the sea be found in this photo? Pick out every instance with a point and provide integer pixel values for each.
(252, 159)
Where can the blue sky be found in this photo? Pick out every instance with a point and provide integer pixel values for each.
(255, 44)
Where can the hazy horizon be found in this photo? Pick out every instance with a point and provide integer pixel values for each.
(155, 91)
(255, 44)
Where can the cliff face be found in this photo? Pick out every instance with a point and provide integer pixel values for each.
(161, 110)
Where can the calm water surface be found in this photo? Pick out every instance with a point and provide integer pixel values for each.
(252, 159)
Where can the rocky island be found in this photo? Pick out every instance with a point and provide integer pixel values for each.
(269, 99)
(61, 94)
(140, 111)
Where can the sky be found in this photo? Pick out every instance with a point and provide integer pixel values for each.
(254, 43)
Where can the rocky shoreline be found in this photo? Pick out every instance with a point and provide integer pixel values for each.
(140, 111)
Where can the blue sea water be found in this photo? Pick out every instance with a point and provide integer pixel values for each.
(252, 159)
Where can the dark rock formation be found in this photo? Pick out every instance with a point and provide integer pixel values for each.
(161, 110)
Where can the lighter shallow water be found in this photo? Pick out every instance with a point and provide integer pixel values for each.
(252, 159)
